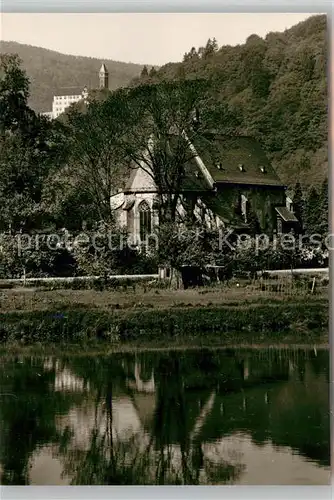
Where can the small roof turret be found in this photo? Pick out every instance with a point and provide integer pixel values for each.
(103, 68)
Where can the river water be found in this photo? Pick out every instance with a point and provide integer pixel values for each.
(184, 417)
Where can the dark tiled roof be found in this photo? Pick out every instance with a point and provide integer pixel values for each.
(67, 91)
(286, 215)
(193, 180)
(216, 202)
(231, 152)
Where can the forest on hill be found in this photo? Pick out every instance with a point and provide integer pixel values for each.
(53, 73)
(274, 89)
(59, 176)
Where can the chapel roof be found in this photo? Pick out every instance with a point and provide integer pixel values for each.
(236, 160)
(230, 160)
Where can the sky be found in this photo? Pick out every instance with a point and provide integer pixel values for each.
(139, 38)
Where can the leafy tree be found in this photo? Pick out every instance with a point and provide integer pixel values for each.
(30, 147)
(277, 87)
(153, 72)
(196, 246)
(191, 55)
(105, 250)
(14, 92)
(181, 73)
(144, 72)
(257, 76)
(66, 202)
(211, 48)
(36, 255)
(312, 212)
(299, 204)
(159, 133)
(324, 209)
(96, 163)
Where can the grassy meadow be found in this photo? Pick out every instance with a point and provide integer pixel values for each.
(140, 316)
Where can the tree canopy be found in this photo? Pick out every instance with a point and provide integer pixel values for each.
(276, 90)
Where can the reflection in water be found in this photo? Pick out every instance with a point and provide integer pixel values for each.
(192, 417)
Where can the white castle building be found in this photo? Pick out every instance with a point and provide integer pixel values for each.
(62, 102)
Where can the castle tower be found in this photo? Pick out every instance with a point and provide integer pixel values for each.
(104, 77)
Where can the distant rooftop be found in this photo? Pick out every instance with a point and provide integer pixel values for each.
(66, 91)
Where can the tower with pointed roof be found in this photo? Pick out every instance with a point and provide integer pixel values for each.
(104, 77)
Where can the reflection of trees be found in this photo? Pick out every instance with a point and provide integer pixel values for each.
(284, 400)
(199, 398)
(178, 422)
(105, 460)
(171, 453)
(291, 422)
(171, 409)
(27, 415)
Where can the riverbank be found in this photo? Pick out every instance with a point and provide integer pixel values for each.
(99, 321)
(145, 297)
(79, 351)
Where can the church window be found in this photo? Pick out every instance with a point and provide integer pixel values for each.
(145, 220)
(243, 207)
(279, 226)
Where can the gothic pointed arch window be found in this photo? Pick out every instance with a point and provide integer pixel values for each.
(145, 220)
(244, 206)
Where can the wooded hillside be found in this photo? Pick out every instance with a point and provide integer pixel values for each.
(53, 73)
(274, 89)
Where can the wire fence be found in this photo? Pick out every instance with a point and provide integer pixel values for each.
(282, 282)
(289, 285)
